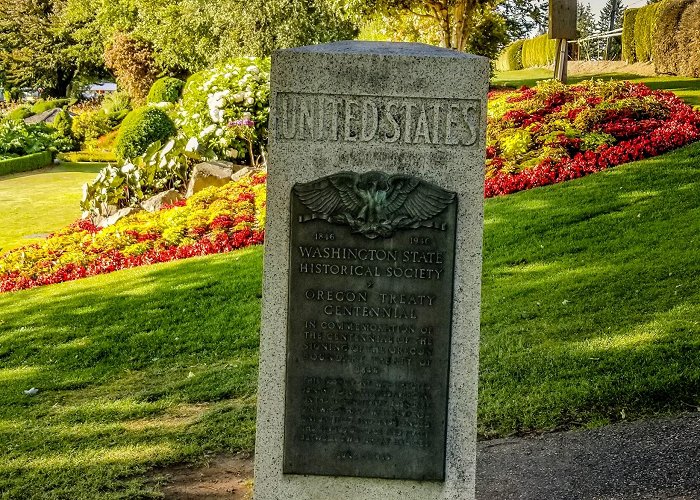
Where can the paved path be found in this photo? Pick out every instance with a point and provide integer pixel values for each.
(653, 459)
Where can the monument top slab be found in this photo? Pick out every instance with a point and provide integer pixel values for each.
(385, 49)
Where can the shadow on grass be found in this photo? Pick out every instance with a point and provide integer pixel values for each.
(138, 368)
(591, 306)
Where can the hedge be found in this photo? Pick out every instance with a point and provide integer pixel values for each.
(19, 113)
(142, 127)
(511, 58)
(689, 41)
(88, 157)
(165, 90)
(628, 54)
(644, 26)
(26, 163)
(40, 106)
(666, 53)
(539, 51)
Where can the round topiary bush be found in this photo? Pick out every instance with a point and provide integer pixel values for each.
(62, 123)
(166, 90)
(142, 127)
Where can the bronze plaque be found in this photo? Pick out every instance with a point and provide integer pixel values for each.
(368, 336)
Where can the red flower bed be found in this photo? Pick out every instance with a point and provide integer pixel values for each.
(554, 133)
(213, 221)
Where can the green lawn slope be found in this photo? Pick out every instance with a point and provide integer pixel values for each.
(591, 314)
(39, 202)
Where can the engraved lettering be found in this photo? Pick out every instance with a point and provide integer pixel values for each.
(349, 120)
(370, 121)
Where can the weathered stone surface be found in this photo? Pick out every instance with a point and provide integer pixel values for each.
(154, 203)
(119, 214)
(211, 173)
(242, 173)
(45, 117)
(416, 114)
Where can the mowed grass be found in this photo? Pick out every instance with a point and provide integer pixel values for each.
(150, 366)
(590, 315)
(591, 299)
(686, 88)
(39, 202)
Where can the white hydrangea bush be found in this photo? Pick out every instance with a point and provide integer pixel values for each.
(223, 114)
(226, 109)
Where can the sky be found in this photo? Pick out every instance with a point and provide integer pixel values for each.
(597, 5)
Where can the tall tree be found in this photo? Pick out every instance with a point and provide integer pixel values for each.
(586, 26)
(33, 50)
(524, 18)
(611, 19)
(455, 20)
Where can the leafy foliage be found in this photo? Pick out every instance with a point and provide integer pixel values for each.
(160, 167)
(19, 113)
(131, 60)
(116, 102)
(524, 17)
(62, 123)
(90, 125)
(223, 113)
(628, 51)
(18, 139)
(553, 132)
(140, 128)
(227, 108)
(217, 219)
(455, 22)
(538, 51)
(165, 89)
(34, 50)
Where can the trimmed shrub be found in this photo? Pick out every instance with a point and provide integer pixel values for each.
(90, 125)
(19, 113)
(511, 58)
(539, 51)
(41, 105)
(142, 127)
(667, 53)
(88, 157)
(166, 90)
(644, 26)
(63, 123)
(628, 54)
(689, 41)
(26, 163)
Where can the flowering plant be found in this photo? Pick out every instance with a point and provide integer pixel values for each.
(216, 219)
(228, 108)
(223, 113)
(553, 132)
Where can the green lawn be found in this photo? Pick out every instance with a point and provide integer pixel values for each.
(152, 365)
(686, 88)
(591, 314)
(41, 201)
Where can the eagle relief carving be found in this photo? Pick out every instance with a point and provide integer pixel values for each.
(374, 204)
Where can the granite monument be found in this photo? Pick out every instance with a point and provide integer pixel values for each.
(370, 328)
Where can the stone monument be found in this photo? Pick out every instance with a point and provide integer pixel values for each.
(370, 323)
